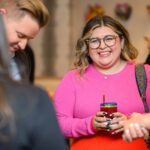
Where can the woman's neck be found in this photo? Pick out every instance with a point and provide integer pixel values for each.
(114, 69)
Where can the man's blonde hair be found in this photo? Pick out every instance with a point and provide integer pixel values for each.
(35, 8)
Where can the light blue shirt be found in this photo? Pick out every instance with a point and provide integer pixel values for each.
(14, 71)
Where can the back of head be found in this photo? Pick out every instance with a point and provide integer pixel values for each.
(4, 56)
(6, 113)
(35, 8)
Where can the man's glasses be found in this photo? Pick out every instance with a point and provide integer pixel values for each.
(95, 43)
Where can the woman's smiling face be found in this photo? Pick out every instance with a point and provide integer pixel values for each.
(108, 52)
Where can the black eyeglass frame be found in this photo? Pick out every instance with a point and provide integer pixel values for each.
(104, 40)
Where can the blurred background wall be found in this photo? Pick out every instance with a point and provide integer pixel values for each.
(54, 47)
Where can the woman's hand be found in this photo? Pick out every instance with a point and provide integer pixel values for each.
(115, 126)
(135, 127)
(100, 122)
(133, 131)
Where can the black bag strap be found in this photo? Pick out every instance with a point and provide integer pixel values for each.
(141, 80)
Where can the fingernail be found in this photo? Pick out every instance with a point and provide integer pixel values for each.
(108, 119)
(109, 129)
(104, 113)
(112, 115)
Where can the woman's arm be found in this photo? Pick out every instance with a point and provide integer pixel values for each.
(65, 100)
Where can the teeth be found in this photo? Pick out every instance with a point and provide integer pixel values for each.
(104, 53)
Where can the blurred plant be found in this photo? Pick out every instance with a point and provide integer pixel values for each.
(123, 11)
(92, 11)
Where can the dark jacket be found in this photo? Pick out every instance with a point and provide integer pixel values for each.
(35, 123)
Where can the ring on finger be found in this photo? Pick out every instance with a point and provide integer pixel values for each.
(107, 125)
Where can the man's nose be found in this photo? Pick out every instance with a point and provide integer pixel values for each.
(23, 43)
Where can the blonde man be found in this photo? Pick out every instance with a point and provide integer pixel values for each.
(23, 20)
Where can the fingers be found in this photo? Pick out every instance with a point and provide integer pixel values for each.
(145, 132)
(100, 119)
(102, 125)
(126, 136)
(133, 131)
(119, 130)
(119, 116)
(115, 122)
(101, 114)
(119, 120)
(101, 122)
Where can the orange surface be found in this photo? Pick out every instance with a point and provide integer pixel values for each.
(107, 143)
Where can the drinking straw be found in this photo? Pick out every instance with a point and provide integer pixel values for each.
(103, 99)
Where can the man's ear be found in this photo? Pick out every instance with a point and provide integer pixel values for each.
(3, 11)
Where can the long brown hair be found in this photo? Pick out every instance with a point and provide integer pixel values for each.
(129, 52)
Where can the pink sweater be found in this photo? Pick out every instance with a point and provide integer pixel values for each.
(77, 98)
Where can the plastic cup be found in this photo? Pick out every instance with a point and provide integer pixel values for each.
(109, 107)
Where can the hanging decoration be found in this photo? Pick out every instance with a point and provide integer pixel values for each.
(92, 11)
(148, 9)
(123, 11)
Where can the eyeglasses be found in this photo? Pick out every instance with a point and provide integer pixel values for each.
(95, 43)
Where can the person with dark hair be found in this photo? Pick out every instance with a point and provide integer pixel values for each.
(27, 116)
(104, 73)
(23, 20)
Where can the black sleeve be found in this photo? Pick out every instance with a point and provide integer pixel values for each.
(26, 63)
(46, 133)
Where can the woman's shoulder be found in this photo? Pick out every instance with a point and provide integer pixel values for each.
(77, 72)
(71, 74)
(146, 66)
(147, 69)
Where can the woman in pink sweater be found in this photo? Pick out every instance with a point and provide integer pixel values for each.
(104, 66)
